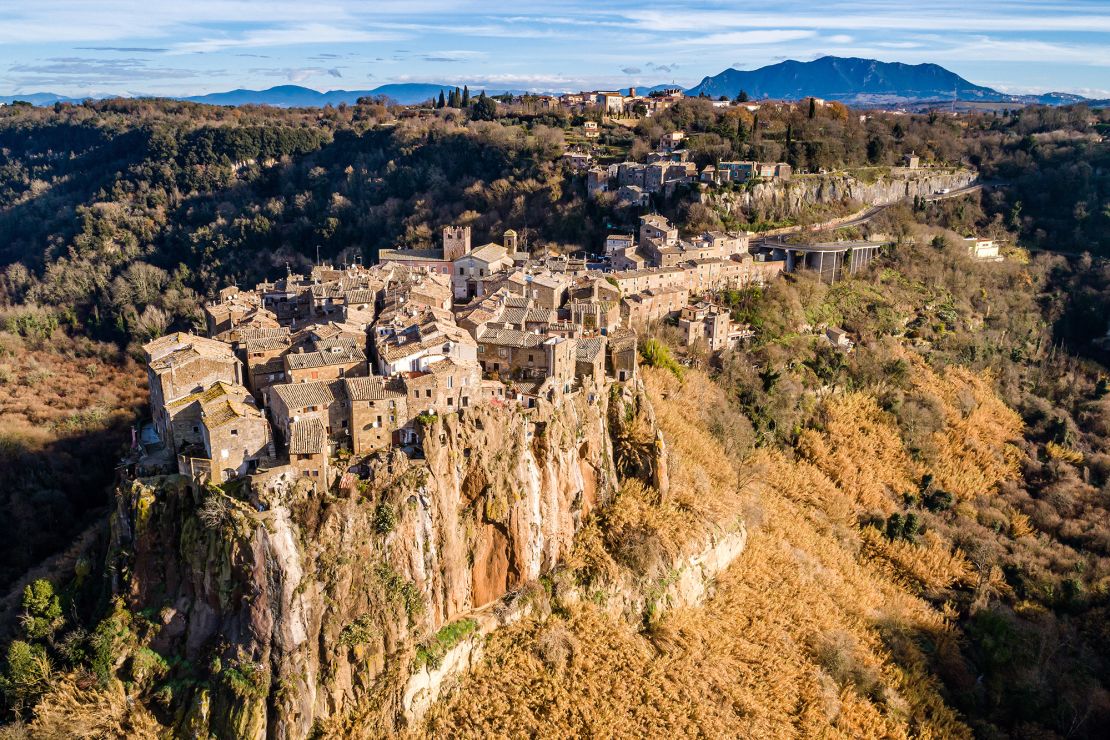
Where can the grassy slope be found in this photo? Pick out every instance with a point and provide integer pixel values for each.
(817, 630)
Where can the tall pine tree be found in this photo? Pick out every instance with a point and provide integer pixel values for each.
(442, 102)
(465, 96)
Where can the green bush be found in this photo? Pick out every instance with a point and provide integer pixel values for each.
(432, 652)
(656, 354)
(358, 632)
(385, 518)
(27, 672)
(42, 612)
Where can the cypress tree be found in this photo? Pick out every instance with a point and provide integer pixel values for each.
(813, 108)
(442, 103)
(465, 96)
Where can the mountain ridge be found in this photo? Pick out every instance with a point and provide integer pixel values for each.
(859, 81)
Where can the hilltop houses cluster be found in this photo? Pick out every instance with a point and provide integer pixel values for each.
(666, 167)
(355, 360)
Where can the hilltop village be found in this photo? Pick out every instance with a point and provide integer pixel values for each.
(305, 371)
(344, 362)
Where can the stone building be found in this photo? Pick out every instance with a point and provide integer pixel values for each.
(181, 364)
(335, 360)
(378, 409)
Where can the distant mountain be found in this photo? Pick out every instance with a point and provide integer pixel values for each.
(295, 96)
(42, 98)
(860, 82)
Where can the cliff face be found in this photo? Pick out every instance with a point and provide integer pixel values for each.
(792, 197)
(283, 608)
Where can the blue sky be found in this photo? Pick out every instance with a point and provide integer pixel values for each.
(182, 47)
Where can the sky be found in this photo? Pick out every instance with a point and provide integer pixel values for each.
(186, 47)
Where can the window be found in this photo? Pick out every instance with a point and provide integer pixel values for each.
(234, 432)
(450, 401)
(428, 393)
(450, 381)
(481, 349)
(196, 430)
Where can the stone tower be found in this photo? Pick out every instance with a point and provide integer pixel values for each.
(509, 241)
(456, 242)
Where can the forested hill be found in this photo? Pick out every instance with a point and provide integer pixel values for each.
(118, 212)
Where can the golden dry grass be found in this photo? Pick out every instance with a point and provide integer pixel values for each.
(815, 631)
(975, 450)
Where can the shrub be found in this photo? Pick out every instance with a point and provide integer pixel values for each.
(27, 674)
(656, 354)
(432, 652)
(358, 632)
(385, 518)
(42, 612)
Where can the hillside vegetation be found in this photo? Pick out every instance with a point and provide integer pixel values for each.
(928, 553)
(928, 550)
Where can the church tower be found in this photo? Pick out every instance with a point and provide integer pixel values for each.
(509, 241)
(456, 242)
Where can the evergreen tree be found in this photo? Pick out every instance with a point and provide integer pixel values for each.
(442, 102)
(755, 127)
(789, 134)
(812, 108)
(742, 97)
(465, 96)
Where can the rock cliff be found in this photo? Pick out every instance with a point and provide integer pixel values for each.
(281, 610)
(793, 197)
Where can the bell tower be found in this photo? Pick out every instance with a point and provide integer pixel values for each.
(456, 242)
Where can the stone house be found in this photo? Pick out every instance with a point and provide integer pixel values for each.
(180, 364)
(419, 344)
(308, 450)
(486, 260)
(330, 363)
(711, 324)
(265, 361)
(589, 358)
(639, 309)
(546, 289)
(327, 402)
(236, 434)
(594, 315)
(622, 359)
(378, 410)
(444, 387)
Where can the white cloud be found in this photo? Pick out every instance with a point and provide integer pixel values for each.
(750, 38)
(314, 33)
